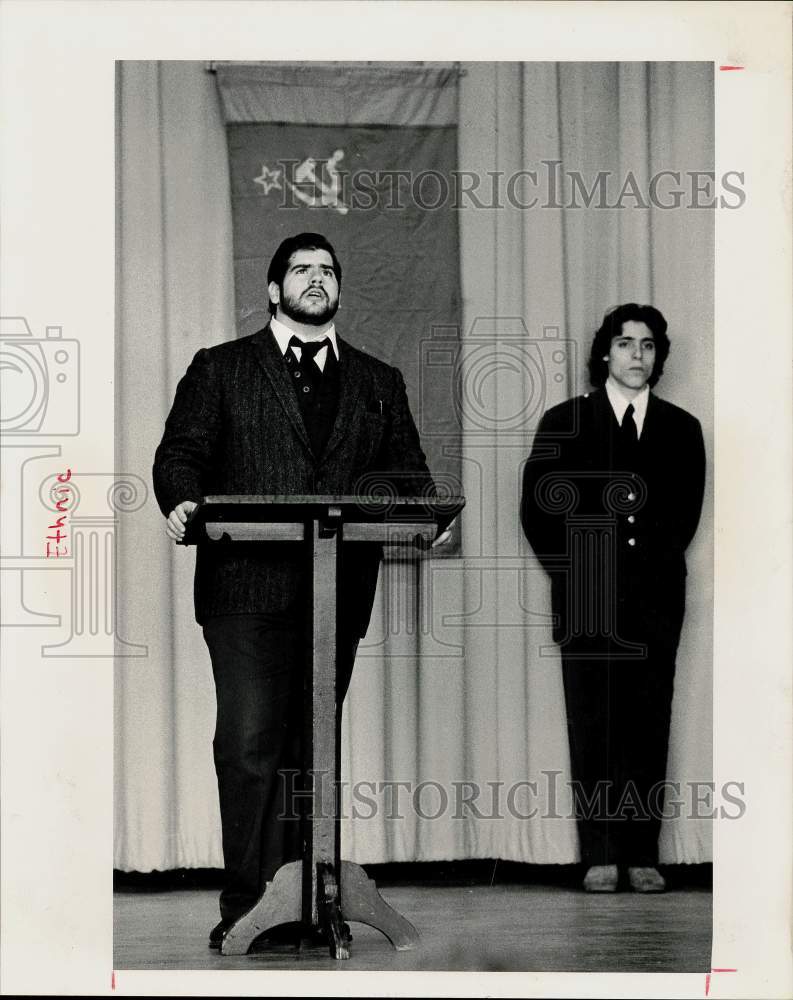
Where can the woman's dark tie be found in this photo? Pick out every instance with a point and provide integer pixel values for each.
(628, 431)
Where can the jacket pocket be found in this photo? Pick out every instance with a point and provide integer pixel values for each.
(372, 429)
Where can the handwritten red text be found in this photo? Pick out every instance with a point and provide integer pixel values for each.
(58, 538)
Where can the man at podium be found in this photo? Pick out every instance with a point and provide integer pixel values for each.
(293, 409)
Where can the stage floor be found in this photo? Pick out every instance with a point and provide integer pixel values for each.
(489, 928)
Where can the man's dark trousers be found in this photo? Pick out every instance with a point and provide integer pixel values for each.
(618, 714)
(258, 667)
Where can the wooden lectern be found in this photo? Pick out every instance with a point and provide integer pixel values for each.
(321, 891)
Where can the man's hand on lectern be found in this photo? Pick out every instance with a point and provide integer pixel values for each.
(444, 536)
(174, 526)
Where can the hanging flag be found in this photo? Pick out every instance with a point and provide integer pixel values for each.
(381, 190)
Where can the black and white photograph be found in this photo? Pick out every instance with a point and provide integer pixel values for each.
(508, 237)
(387, 573)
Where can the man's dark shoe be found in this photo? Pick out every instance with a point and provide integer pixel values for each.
(216, 934)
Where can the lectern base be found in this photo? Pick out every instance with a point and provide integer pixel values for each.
(278, 904)
(362, 902)
(281, 903)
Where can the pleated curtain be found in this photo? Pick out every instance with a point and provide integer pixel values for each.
(454, 738)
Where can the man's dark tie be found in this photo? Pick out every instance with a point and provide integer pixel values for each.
(309, 350)
(628, 431)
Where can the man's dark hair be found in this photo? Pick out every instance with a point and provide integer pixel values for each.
(611, 327)
(303, 241)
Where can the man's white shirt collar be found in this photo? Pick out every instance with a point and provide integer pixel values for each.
(619, 404)
(283, 335)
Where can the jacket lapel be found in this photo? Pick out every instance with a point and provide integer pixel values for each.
(269, 357)
(650, 425)
(352, 375)
(605, 424)
(608, 428)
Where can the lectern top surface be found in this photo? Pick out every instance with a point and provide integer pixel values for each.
(274, 508)
(336, 500)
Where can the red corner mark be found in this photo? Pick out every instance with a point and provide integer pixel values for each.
(728, 68)
(113, 980)
(708, 975)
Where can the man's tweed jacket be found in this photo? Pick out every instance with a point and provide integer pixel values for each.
(236, 428)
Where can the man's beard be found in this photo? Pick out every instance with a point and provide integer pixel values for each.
(321, 313)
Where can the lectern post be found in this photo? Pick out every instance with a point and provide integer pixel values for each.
(321, 861)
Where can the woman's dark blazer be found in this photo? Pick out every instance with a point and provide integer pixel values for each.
(611, 526)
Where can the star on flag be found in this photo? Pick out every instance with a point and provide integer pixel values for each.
(268, 179)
